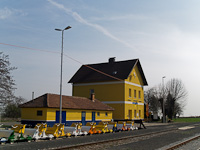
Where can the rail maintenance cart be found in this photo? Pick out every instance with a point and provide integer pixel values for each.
(19, 130)
(42, 127)
(75, 129)
(57, 130)
(90, 127)
(7, 136)
(103, 126)
(121, 126)
(131, 125)
(113, 126)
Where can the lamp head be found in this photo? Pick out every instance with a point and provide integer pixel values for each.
(58, 29)
(68, 27)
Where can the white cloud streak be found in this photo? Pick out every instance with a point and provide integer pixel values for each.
(7, 12)
(78, 18)
(122, 17)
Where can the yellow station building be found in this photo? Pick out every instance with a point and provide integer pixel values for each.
(116, 83)
(74, 109)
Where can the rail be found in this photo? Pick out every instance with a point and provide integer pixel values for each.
(135, 137)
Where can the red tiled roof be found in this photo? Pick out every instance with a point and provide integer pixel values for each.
(117, 69)
(68, 102)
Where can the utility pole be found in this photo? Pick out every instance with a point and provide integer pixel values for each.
(163, 91)
(68, 27)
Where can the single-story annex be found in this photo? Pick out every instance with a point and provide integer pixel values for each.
(74, 109)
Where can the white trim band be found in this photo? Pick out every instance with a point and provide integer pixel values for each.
(121, 102)
(140, 103)
(103, 83)
(130, 83)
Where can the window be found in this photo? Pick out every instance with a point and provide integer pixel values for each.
(129, 92)
(135, 94)
(139, 113)
(39, 113)
(106, 114)
(130, 77)
(129, 114)
(98, 113)
(134, 74)
(139, 94)
(135, 113)
(114, 72)
(91, 91)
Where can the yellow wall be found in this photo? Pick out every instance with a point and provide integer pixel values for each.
(137, 111)
(135, 76)
(49, 114)
(136, 90)
(31, 114)
(102, 115)
(119, 110)
(74, 115)
(105, 92)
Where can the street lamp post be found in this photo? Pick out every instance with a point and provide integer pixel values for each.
(163, 99)
(68, 27)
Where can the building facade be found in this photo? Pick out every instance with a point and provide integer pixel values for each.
(116, 83)
(45, 109)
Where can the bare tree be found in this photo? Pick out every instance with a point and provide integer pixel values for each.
(151, 97)
(20, 100)
(173, 94)
(7, 84)
(176, 98)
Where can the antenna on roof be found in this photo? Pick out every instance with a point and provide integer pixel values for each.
(32, 95)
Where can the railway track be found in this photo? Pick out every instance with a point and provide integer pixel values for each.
(162, 136)
(183, 143)
(116, 141)
(128, 139)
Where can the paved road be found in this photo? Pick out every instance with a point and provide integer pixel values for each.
(160, 142)
(146, 144)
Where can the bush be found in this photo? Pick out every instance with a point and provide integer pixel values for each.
(12, 111)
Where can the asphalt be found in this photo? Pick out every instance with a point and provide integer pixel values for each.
(161, 142)
(152, 143)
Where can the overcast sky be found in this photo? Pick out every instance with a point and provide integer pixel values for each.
(164, 35)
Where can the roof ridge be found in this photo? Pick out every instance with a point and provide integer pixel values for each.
(108, 62)
(69, 102)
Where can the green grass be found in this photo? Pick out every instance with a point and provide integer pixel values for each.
(187, 120)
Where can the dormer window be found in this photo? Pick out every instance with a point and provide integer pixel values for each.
(130, 77)
(134, 74)
(114, 72)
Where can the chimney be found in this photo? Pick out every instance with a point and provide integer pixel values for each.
(92, 97)
(111, 60)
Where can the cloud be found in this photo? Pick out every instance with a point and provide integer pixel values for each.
(80, 19)
(7, 12)
(122, 17)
